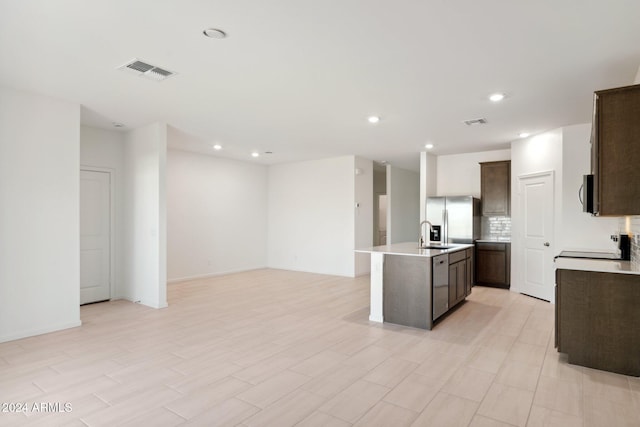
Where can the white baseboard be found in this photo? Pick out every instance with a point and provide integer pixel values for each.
(208, 275)
(39, 331)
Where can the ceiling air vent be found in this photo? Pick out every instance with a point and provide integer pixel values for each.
(472, 122)
(144, 69)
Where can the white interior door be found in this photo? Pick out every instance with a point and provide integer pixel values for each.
(95, 236)
(536, 197)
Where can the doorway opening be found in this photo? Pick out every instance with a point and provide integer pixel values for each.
(96, 235)
(380, 206)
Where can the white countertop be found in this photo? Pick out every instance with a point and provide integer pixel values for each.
(600, 265)
(412, 249)
(495, 240)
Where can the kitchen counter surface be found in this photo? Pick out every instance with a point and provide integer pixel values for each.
(412, 249)
(495, 240)
(600, 265)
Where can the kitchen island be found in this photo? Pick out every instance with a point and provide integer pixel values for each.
(409, 286)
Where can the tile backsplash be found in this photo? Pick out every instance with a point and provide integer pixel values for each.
(635, 249)
(496, 227)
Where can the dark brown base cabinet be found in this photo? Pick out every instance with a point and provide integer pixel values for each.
(470, 271)
(493, 264)
(598, 320)
(457, 277)
(460, 275)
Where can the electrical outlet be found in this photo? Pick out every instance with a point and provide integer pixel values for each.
(614, 237)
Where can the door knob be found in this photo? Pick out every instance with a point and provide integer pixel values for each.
(547, 244)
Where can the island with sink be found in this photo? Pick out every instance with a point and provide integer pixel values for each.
(415, 284)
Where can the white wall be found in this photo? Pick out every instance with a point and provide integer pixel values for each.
(216, 215)
(580, 230)
(311, 220)
(403, 192)
(104, 149)
(145, 269)
(363, 214)
(39, 214)
(539, 153)
(459, 174)
(428, 181)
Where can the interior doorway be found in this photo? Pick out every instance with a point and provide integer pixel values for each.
(382, 220)
(95, 235)
(380, 206)
(536, 260)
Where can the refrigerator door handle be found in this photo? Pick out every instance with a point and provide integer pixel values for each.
(445, 226)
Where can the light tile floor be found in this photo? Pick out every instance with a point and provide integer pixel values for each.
(281, 348)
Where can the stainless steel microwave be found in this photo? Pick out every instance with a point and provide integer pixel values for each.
(588, 194)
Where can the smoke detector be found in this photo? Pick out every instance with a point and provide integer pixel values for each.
(480, 121)
(146, 70)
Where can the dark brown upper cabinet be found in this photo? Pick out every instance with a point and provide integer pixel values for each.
(495, 186)
(615, 151)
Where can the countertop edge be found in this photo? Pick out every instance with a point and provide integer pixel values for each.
(411, 249)
(596, 265)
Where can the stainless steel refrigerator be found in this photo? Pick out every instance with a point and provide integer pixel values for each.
(458, 218)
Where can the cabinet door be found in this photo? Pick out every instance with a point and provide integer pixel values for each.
(495, 184)
(461, 277)
(618, 152)
(469, 278)
(453, 281)
(491, 264)
(598, 320)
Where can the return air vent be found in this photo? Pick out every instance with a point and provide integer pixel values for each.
(472, 122)
(146, 70)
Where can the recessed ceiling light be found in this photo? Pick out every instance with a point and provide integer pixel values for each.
(428, 146)
(496, 97)
(523, 134)
(214, 33)
(373, 119)
(255, 154)
(217, 147)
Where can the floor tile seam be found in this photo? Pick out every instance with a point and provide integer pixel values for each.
(298, 389)
(535, 392)
(416, 414)
(332, 415)
(611, 401)
(79, 370)
(389, 390)
(398, 383)
(38, 387)
(81, 419)
(605, 396)
(441, 384)
(70, 386)
(493, 419)
(561, 410)
(208, 408)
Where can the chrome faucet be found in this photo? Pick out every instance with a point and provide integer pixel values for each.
(421, 240)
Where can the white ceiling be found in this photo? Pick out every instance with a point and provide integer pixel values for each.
(300, 77)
